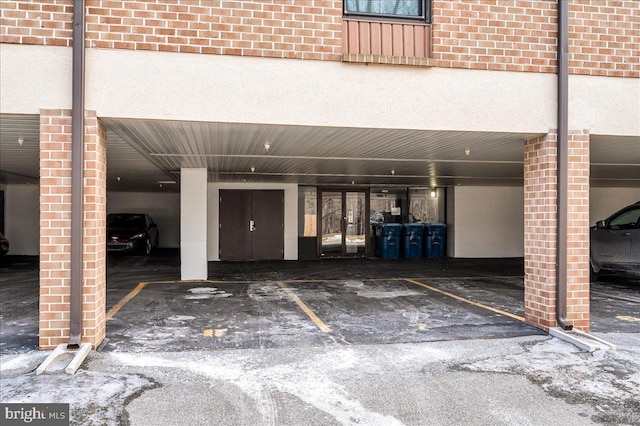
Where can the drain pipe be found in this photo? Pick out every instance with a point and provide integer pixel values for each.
(563, 166)
(77, 183)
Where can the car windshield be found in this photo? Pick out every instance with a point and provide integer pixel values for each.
(126, 221)
(627, 220)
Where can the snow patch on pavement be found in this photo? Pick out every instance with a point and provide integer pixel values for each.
(93, 398)
(181, 318)
(266, 292)
(199, 293)
(381, 294)
(314, 379)
(611, 378)
(22, 361)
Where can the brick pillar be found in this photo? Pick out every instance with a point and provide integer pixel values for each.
(55, 228)
(540, 200)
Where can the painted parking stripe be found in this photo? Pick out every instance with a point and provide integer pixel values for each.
(462, 299)
(317, 321)
(126, 299)
(613, 296)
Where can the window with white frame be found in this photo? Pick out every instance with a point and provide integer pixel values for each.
(417, 10)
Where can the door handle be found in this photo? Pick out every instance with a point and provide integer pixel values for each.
(252, 226)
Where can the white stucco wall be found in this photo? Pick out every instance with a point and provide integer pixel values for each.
(489, 221)
(290, 216)
(164, 209)
(163, 85)
(22, 219)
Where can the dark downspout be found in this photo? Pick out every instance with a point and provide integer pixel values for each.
(563, 165)
(77, 184)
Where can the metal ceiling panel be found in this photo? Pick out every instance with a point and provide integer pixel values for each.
(144, 153)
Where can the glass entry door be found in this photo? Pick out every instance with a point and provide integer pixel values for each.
(344, 223)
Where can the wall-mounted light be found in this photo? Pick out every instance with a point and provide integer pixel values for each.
(467, 152)
(118, 178)
(253, 169)
(434, 194)
(393, 172)
(20, 141)
(267, 145)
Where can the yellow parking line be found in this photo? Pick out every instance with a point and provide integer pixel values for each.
(317, 321)
(462, 299)
(628, 299)
(126, 299)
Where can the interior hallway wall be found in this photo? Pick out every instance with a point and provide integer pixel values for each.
(22, 219)
(164, 209)
(489, 221)
(603, 202)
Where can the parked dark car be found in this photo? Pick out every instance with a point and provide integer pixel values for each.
(615, 242)
(4, 245)
(132, 232)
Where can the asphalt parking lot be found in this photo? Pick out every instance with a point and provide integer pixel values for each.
(326, 342)
(305, 303)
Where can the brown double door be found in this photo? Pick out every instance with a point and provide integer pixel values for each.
(251, 225)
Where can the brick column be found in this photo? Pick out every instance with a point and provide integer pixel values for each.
(55, 228)
(540, 202)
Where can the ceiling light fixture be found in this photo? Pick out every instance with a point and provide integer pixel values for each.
(20, 141)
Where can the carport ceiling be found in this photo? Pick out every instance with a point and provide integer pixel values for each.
(145, 154)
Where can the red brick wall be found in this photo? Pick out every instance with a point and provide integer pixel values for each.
(513, 35)
(540, 189)
(55, 228)
(521, 35)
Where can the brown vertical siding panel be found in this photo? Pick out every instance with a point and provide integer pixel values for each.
(398, 44)
(345, 37)
(376, 38)
(365, 39)
(427, 41)
(387, 39)
(408, 40)
(418, 36)
(354, 42)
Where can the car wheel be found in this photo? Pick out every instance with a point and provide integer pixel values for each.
(593, 275)
(148, 247)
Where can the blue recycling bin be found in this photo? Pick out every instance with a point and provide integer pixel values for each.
(388, 240)
(436, 238)
(412, 237)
